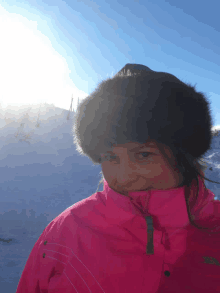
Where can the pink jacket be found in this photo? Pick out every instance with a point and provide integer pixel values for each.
(109, 243)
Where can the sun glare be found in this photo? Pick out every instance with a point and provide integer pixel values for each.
(31, 70)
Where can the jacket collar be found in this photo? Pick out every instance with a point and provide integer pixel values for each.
(166, 207)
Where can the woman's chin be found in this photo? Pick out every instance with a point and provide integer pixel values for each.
(125, 192)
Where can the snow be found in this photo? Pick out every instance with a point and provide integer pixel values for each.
(41, 175)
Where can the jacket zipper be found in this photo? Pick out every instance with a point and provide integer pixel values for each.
(150, 233)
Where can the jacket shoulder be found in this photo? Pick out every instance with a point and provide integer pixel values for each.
(84, 213)
(211, 218)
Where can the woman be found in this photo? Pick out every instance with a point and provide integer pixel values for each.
(155, 227)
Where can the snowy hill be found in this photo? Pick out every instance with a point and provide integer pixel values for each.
(42, 175)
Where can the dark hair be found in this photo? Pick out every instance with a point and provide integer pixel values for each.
(115, 113)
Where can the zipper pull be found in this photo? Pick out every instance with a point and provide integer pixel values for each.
(150, 233)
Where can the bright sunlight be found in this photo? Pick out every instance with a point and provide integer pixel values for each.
(31, 70)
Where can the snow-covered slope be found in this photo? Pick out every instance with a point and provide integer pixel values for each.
(42, 175)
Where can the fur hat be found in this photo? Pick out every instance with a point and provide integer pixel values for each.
(139, 103)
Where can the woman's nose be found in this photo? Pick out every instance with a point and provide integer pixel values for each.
(125, 172)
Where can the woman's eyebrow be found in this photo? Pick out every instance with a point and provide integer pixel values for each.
(140, 148)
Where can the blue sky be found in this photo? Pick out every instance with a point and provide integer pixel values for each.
(90, 41)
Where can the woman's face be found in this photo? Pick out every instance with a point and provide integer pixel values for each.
(135, 167)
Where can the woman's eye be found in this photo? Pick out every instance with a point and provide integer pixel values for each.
(107, 157)
(144, 155)
(112, 157)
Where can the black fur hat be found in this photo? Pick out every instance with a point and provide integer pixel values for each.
(139, 103)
